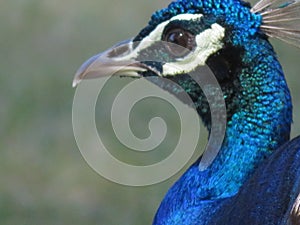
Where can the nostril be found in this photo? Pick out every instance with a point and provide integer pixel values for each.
(118, 51)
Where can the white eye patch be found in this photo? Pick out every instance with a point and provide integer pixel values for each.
(156, 35)
(207, 43)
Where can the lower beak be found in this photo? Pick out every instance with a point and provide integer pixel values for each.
(116, 60)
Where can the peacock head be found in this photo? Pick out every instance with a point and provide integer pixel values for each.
(174, 36)
(191, 34)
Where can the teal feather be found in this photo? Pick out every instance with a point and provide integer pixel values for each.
(255, 178)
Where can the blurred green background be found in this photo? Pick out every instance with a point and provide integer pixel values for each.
(43, 177)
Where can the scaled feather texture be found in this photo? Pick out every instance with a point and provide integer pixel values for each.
(255, 177)
(268, 197)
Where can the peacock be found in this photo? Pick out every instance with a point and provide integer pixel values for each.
(255, 177)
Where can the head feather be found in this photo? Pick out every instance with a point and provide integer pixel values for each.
(281, 19)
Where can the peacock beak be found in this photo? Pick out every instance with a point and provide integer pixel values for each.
(117, 60)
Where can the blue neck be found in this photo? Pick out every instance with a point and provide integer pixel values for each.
(259, 125)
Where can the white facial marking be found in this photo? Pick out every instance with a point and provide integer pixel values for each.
(187, 17)
(156, 35)
(207, 43)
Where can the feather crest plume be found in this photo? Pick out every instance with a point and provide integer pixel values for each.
(281, 19)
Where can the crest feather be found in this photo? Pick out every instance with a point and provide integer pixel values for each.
(295, 213)
(281, 19)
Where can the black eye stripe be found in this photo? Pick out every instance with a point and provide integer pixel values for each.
(194, 26)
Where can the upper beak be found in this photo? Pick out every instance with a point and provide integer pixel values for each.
(116, 60)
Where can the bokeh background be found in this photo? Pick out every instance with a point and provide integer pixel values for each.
(43, 177)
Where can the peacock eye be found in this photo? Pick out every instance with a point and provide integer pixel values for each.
(182, 41)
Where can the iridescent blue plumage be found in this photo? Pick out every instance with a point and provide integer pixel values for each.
(255, 178)
(259, 124)
(230, 12)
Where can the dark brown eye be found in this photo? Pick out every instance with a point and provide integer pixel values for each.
(182, 41)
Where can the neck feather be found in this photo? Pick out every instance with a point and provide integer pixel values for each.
(260, 124)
